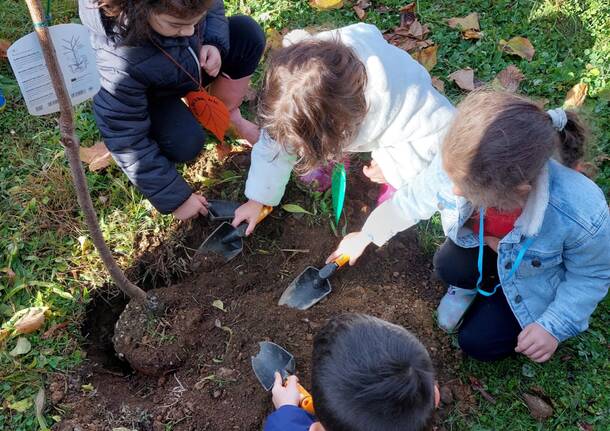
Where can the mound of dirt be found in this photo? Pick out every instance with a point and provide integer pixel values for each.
(154, 345)
(214, 388)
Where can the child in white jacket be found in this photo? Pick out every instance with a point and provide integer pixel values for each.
(342, 91)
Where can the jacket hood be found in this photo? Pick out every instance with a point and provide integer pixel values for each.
(90, 17)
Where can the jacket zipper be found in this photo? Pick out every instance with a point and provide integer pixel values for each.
(197, 63)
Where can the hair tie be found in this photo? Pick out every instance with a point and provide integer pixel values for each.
(559, 118)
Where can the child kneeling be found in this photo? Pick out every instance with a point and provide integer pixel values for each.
(367, 375)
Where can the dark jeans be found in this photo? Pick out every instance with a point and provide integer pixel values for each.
(173, 127)
(489, 330)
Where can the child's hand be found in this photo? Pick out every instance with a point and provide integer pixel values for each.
(352, 245)
(288, 395)
(248, 212)
(536, 343)
(192, 207)
(373, 172)
(210, 60)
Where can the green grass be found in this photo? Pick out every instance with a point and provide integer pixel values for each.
(40, 224)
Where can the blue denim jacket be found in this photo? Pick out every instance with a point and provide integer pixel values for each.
(564, 274)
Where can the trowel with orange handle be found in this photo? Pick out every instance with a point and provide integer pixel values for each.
(271, 358)
(227, 240)
(312, 285)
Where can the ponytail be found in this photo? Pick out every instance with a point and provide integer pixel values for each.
(573, 139)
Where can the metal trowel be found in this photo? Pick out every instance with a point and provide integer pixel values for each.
(227, 241)
(221, 210)
(312, 285)
(271, 358)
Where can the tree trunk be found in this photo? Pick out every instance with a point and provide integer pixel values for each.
(72, 145)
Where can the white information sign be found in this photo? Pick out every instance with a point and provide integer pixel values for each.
(76, 59)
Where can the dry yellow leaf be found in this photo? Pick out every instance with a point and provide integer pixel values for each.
(97, 157)
(576, 96)
(469, 22)
(326, 4)
(520, 46)
(274, 39)
(427, 57)
(360, 13)
(31, 319)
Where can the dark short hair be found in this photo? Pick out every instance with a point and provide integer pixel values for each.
(371, 375)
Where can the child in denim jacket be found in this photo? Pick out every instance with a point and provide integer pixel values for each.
(530, 235)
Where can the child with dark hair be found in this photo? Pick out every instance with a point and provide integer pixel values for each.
(367, 375)
(337, 92)
(527, 255)
(150, 54)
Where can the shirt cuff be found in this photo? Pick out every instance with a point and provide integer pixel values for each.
(385, 222)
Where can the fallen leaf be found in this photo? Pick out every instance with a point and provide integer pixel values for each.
(211, 113)
(218, 304)
(438, 84)
(518, 46)
(97, 156)
(39, 403)
(407, 14)
(471, 34)
(326, 4)
(21, 406)
(464, 78)
(509, 79)
(469, 22)
(23, 346)
(273, 39)
(583, 426)
(4, 333)
(4, 45)
(49, 332)
(294, 208)
(416, 30)
(85, 244)
(538, 408)
(31, 320)
(576, 96)
(360, 13)
(477, 386)
(87, 387)
(427, 57)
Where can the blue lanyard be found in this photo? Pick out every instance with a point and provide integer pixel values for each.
(516, 264)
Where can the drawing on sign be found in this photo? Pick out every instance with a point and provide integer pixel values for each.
(72, 50)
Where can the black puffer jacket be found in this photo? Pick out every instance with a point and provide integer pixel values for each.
(130, 75)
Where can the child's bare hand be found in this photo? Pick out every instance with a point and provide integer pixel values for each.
(288, 395)
(249, 213)
(210, 60)
(373, 172)
(192, 207)
(536, 343)
(352, 245)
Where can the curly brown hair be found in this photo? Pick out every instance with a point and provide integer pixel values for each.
(312, 102)
(500, 141)
(130, 17)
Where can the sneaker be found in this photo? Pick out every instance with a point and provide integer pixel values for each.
(385, 192)
(453, 306)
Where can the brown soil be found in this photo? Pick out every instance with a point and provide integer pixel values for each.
(210, 384)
